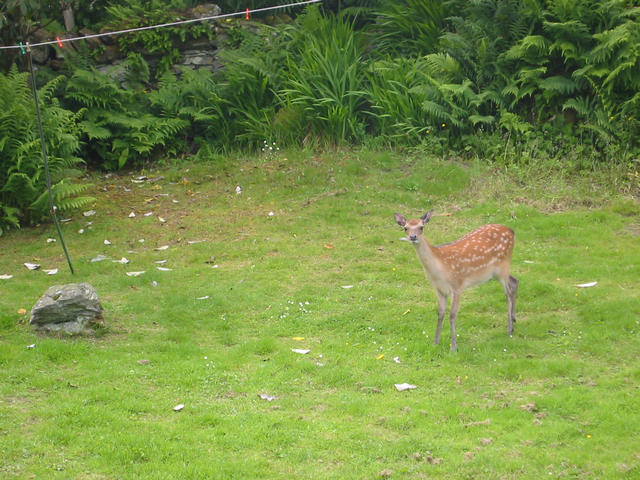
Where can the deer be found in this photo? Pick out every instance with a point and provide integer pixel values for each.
(451, 268)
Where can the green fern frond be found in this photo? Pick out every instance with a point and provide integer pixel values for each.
(560, 84)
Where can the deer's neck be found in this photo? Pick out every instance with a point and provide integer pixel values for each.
(430, 262)
(426, 254)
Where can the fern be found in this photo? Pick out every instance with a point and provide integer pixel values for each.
(22, 179)
(119, 124)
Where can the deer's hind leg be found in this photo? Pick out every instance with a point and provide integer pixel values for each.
(442, 307)
(510, 285)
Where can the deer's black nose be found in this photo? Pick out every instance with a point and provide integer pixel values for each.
(413, 237)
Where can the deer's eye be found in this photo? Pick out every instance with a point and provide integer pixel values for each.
(405, 229)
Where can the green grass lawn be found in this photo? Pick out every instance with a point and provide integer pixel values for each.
(257, 274)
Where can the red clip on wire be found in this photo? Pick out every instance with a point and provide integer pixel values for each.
(60, 44)
(246, 16)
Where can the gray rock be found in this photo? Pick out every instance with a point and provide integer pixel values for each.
(73, 308)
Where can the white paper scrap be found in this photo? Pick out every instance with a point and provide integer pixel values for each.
(396, 359)
(51, 240)
(162, 220)
(52, 271)
(160, 262)
(301, 351)
(401, 387)
(346, 287)
(164, 269)
(163, 247)
(107, 242)
(266, 397)
(33, 345)
(89, 213)
(32, 266)
(203, 298)
(587, 285)
(179, 407)
(6, 277)
(238, 190)
(192, 242)
(132, 215)
(148, 214)
(134, 274)
(123, 261)
(99, 258)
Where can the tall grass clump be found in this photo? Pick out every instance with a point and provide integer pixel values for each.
(324, 87)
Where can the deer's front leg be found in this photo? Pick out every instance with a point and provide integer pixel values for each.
(442, 307)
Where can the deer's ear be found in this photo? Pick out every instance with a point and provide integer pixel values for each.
(400, 219)
(427, 216)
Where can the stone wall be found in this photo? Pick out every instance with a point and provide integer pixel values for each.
(196, 53)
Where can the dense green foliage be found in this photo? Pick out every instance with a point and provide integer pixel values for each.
(507, 80)
(23, 194)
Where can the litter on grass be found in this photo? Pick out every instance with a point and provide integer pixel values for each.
(33, 345)
(123, 261)
(6, 277)
(266, 397)
(192, 242)
(163, 247)
(203, 298)
(401, 387)
(396, 359)
(89, 213)
(51, 240)
(132, 215)
(52, 271)
(32, 266)
(164, 269)
(301, 351)
(587, 285)
(107, 242)
(162, 220)
(179, 407)
(346, 287)
(99, 258)
(134, 274)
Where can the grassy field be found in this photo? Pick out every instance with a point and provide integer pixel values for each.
(257, 274)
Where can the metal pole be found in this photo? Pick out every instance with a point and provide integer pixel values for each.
(44, 157)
